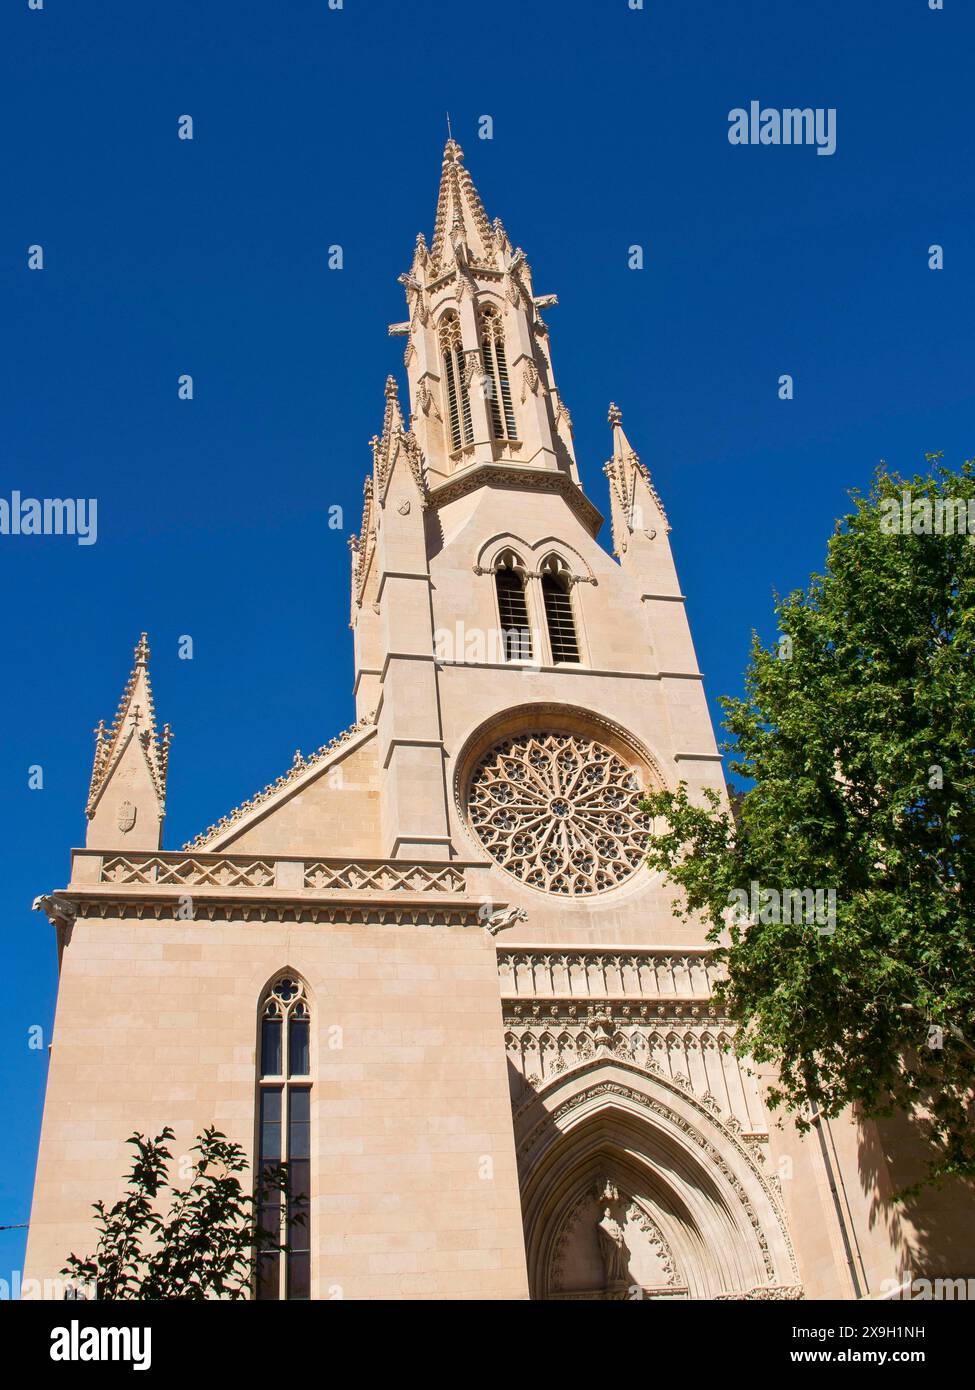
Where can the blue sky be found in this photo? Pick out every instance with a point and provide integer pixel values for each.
(315, 127)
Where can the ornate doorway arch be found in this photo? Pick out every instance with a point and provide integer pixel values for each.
(632, 1188)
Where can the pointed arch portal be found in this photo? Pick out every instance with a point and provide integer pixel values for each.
(632, 1189)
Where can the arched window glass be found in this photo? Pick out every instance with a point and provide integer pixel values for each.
(455, 383)
(516, 637)
(557, 597)
(283, 1137)
(498, 387)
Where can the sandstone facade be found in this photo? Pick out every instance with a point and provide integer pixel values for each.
(515, 1079)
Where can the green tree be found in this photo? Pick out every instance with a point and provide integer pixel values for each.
(206, 1245)
(857, 732)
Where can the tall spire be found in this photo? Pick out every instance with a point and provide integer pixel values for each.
(482, 386)
(461, 229)
(127, 795)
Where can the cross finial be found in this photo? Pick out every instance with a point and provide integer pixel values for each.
(615, 414)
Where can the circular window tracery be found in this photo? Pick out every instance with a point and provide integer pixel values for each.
(560, 812)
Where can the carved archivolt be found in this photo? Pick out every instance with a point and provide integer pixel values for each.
(560, 812)
(694, 1211)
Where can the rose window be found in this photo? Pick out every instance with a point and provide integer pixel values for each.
(559, 812)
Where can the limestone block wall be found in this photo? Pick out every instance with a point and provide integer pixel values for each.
(415, 1193)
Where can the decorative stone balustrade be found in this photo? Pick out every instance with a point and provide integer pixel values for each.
(318, 877)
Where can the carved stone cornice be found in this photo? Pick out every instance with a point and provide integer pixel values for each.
(519, 478)
(180, 910)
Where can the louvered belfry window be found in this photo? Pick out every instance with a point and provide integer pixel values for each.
(558, 616)
(516, 634)
(496, 383)
(455, 383)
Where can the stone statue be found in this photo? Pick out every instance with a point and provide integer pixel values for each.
(613, 1248)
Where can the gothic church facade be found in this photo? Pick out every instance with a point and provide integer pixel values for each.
(428, 966)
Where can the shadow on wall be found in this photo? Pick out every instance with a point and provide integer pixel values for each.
(933, 1234)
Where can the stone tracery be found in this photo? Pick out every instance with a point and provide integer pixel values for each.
(560, 812)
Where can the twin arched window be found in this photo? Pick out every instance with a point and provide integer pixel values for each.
(284, 1137)
(496, 383)
(516, 632)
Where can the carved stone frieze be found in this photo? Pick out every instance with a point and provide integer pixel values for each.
(171, 911)
(590, 973)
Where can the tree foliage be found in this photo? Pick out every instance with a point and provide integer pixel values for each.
(857, 731)
(205, 1246)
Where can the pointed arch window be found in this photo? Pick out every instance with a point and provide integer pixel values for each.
(497, 384)
(284, 1137)
(516, 636)
(557, 597)
(455, 383)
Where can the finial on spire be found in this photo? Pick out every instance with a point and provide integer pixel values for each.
(615, 414)
(142, 650)
(392, 388)
(450, 133)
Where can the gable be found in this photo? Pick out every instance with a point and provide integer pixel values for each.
(331, 809)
